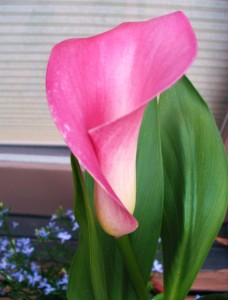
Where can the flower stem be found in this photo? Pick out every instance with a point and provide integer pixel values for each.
(129, 258)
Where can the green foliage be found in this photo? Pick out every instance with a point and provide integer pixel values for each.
(150, 190)
(181, 183)
(87, 277)
(195, 173)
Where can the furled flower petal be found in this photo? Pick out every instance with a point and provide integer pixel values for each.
(97, 90)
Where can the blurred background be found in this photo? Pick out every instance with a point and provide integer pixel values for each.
(34, 162)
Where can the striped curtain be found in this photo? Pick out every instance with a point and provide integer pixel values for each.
(29, 29)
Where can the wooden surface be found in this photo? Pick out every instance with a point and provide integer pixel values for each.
(206, 281)
(212, 281)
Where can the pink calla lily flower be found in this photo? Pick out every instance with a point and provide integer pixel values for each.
(98, 88)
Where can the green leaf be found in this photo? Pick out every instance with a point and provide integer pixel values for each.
(149, 190)
(195, 171)
(216, 297)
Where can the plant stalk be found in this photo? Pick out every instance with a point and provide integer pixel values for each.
(131, 263)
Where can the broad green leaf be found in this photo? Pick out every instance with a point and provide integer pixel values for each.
(195, 172)
(150, 190)
(216, 297)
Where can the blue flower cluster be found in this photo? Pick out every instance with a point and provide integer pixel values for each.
(30, 266)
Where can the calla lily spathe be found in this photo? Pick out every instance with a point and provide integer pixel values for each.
(97, 90)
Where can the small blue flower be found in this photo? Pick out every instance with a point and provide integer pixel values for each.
(48, 289)
(54, 217)
(4, 243)
(23, 246)
(5, 211)
(70, 214)
(28, 250)
(4, 263)
(63, 282)
(46, 286)
(42, 233)
(51, 225)
(19, 275)
(34, 267)
(9, 252)
(157, 267)
(75, 226)
(22, 242)
(43, 283)
(64, 236)
(33, 279)
(15, 224)
(198, 297)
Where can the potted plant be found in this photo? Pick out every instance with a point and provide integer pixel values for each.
(36, 268)
(154, 162)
